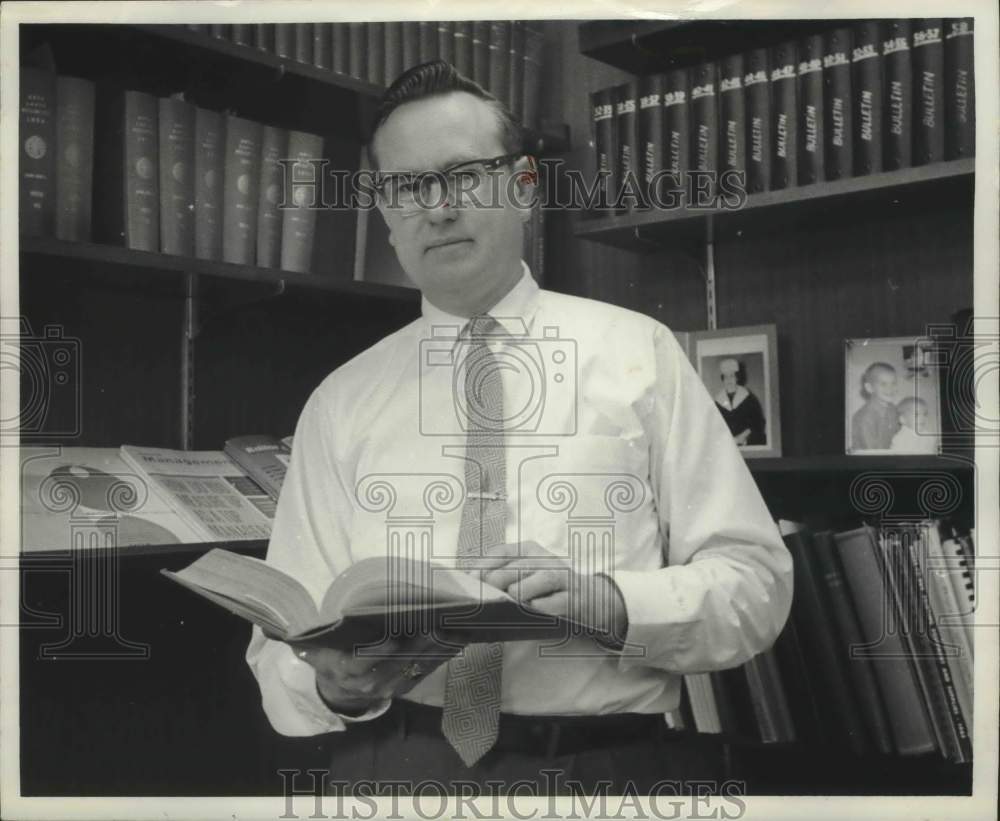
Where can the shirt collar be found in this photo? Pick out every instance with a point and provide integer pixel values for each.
(515, 311)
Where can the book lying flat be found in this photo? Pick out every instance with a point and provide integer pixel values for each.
(373, 599)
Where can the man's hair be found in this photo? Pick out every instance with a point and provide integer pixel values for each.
(869, 375)
(436, 79)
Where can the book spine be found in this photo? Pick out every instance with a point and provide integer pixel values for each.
(732, 115)
(322, 42)
(498, 83)
(866, 62)
(340, 48)
(463, 48)
(393, 51)
(802, 690)
(534, 45)
(515, 71)
(898, 95)
(705, 122)
(74, 147)
(784, 94)
(427, 34)
(446, 41)
(928, 78)
(848, 635)
(176, 122)
(960, 89)
(356, 38)
(757, 85)
(269, 217)
(908, 720)
(38, 152)
(837, 104)
(209, 145)
(299, 222)
(303, 42)
(768, 690)
(375, 65)
(481, 52)
(810, 117)
(627, 142)
(603, 118)
(263, 36)
(239, 209)
(411, 45)
(241, 34)
(284, 40)
(650, 131)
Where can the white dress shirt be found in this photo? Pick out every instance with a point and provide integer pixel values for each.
(617, 459)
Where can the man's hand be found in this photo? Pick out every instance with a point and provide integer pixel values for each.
(533, 575)
(350, 682)
(742, 437)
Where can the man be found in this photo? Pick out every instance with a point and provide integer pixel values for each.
(594, 478)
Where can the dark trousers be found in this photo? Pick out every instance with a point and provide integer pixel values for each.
(405, 750)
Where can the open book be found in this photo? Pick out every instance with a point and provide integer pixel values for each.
(373, 599)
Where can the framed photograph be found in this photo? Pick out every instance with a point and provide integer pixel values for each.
(892, 396)
(739, 366)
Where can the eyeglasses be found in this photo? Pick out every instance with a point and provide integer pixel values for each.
(411, 192)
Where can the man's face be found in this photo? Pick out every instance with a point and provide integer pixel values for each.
(457, 254)
(883, 386)
(728, 369)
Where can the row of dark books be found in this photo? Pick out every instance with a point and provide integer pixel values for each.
(159, 174)
(503, 56)
(877, 655)
(878, 95)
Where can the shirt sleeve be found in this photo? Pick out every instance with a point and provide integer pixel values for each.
(726, 588)
(308, 541)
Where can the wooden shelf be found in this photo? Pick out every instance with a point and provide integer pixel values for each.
(165, 273)
(841, 463)
(850, 198)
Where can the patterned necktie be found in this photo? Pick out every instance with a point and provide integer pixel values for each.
(472, 689)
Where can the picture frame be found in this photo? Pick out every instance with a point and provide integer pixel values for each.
(744, 359)
(892, 396)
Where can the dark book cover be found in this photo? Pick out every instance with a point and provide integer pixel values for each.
(239, 198)
(273, 147)
(516, 70)
(284, 40)
(802, 691)
(322, 45)
(911, 729)
(866, 61)
(677, 124)
(784, 100)
(650, 131)
(605, 148)
(498, 83)
(74, 149)
(263, 36)
(303, 42)
(847, 634)
(176, 141)
(534, 45)
(209, 173)
(732, 115)
(38, 152)
(810, 127)
(827, 662)
(340, 47)
(357, 60)
(393, 51)
(705, 124)
(960, 89)
(897, 131)
(411, 44)
(463, 48)
(220, 31)
(299, 221)
(481, 52)
(757, 91)
(427, 32)
(769, 699)
(375, 48)
(626, 128)
(241, 34)
(928, 91)
(446, 41)
(126, 165)
(735, 704)
(837, 104)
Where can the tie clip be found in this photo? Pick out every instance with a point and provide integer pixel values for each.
(495, 496)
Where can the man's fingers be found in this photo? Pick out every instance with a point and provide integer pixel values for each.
(541, 583)
(555, 604)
